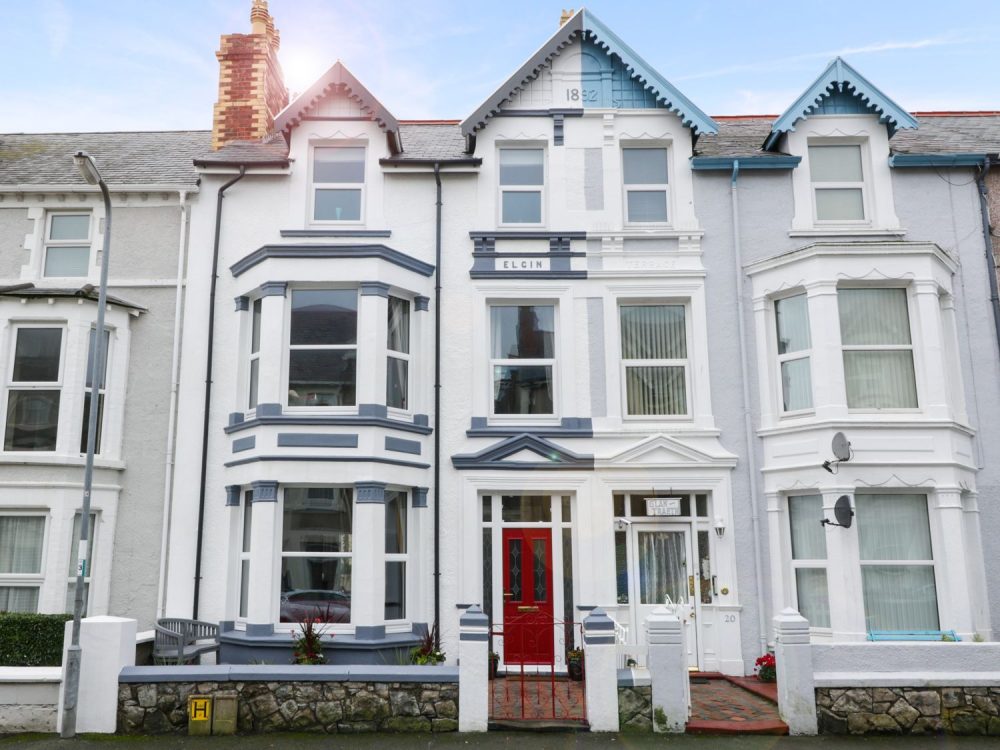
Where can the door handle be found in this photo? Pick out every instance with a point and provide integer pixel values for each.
(690, 585)
(527, 609)
(715, 591)
(507, 594)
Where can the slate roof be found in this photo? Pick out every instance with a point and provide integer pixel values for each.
(271, 151)
(737, 136)
(950, 133)
(431, 141)
(149, 158)
(87, 291)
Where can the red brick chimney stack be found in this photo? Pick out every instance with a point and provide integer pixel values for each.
(251, 87)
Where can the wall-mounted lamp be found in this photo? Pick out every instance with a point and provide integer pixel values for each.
(720, 527)
(621, 524)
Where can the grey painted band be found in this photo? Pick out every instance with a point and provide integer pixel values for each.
(295, 673)
(628, 678)
(233, 495)
(316, 440)
(296, 420)
(274, 289)
(335, 232)
(313, 252)
(599, 639)
(598, 622)
(526, 234)
(374, 289)
(527, 274)
(244, 443)
(268, 410)
(570, 427)
(235, 417)
(419, 497)
(474, 637)
(258, 630)
(402, 446)
(242, 304)
(264, 492)
(352, 459)
(372, 410)
(421, 304)
(421, 419)
(369, 632)
(369, 492)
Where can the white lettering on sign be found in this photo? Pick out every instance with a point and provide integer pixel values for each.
(663, 506)
(521, 264)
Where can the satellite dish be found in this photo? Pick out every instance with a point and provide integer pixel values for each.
(842, 511)
(841, 447)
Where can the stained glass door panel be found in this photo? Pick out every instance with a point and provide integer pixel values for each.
(527, 596)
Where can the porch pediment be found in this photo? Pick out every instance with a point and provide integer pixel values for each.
(521, 452)
(665, 450)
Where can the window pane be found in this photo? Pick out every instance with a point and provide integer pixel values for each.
(488, 572)
(395, 523)
(74, 545)
(655, 390)
(315, 587)
(523, 332)
(247, 519)
(647, 205)
(399, 325)
(525, 508)
(880, 380)
(395, 590)
(21, 545)
(814, 598)
(539, 567)
(705, 567)
(792, 316)
(796, 384)
(522, 390)
(900, 597)
(662, 571)
(18, 598)
(90, 358)
(254, 383)
(835, 163)
(522, 166)
(340, 164)
(567, 512)
(840, 204)
(324, 316)
(32, 421)
(568, 596)
(255, 326)
(644, 166)
(69, 227)
(337, 205)
(805, 516)
(653, 332)
(621, 566)
(317, 519)
(86, 422)
(244, 586)
(873, 317)
(67, 261)
(36, 355)
(893, 527)
(396, 385)
(522, 207)
(321, 377)
(487, 509)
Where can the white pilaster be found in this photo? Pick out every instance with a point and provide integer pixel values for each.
(368, 567)
(796, 682)
(261, 598)
(272, 345)
(932, 376)
(843, 576)
(106, 645)
(829, 388)
(668, 669)
(954, 582)
(473, 682)
(602, 672)
(373, 312)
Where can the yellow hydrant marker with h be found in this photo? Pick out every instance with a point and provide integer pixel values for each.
(199, 714)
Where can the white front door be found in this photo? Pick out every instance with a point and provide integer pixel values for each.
(661, 563)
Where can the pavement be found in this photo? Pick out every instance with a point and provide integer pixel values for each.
(499, 741)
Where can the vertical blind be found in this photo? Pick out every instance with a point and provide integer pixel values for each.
(654, 334)
(809, 543)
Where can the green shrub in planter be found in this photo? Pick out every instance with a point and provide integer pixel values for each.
(31, 640)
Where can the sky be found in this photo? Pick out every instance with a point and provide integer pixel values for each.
(100, 65)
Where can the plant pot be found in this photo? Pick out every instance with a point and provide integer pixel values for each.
(494, 667)
(575, 669)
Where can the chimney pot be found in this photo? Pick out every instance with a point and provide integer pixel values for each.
(566, 15)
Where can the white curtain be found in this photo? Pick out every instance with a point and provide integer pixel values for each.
(18, 598)
(813, 596)
(805, 514)
(898, 595)
(662, 570)
(21, 544)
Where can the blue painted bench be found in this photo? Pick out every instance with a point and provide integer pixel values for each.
(913, 635)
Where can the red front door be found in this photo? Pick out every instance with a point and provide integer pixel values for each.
(527, 597)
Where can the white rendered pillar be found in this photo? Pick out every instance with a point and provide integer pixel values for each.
(272, 348)
(929, 332)
(828, 384)
(368, 565)
(373, 326)
(796, 682)
(668, 668)
(601, 671)
(843, 575)
(473, 673)
(262, 597)
(955, 586)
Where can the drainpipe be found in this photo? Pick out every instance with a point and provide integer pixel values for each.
(175, 362)
(748, 416)
(991, 264)
(208, 386)
(437, 408)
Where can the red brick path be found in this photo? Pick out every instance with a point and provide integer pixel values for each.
(536, 698)
(721, 706)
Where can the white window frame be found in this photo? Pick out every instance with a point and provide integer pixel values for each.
(30, 580)
(806, 563)
(404, 356)
(791, 357)
(626, 363)
(880, 348)
(243, 547)
(256, 307)
(506, 362)
(401, 557)
(646, 187)
(540, 189)
(47, 242)
(864, 185)
(289, 347)
(57, 385)
(359, 186)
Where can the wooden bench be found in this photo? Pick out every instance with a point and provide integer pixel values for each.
(913, 635)
(179, 641)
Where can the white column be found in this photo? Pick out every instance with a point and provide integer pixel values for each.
(272, 343)
(473, 673)
(601, 670)
(373, 317)
(668, 668)
(954, 584)
(843, 573)
(261, 598)
(106, 645)
(829, 388)
(781, 574)
(793, 664)
(931, 351)
(368, 565)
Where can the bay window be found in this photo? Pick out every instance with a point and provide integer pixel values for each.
(34, 389)
(22, 539)
(338, 175)
(654, 359)
(395, 555)
(398, 361)
(877, 348)
(522, 178)
(67, 245)
(838, 181)
(522, 358)
(897, 562)
(322, 358)
(792, 321)
(317, 530)
(809, 561)
(644, 172)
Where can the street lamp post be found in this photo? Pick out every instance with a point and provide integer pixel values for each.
(89, 172)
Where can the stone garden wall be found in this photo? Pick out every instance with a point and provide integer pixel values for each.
(635, 708)
(904, 710)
